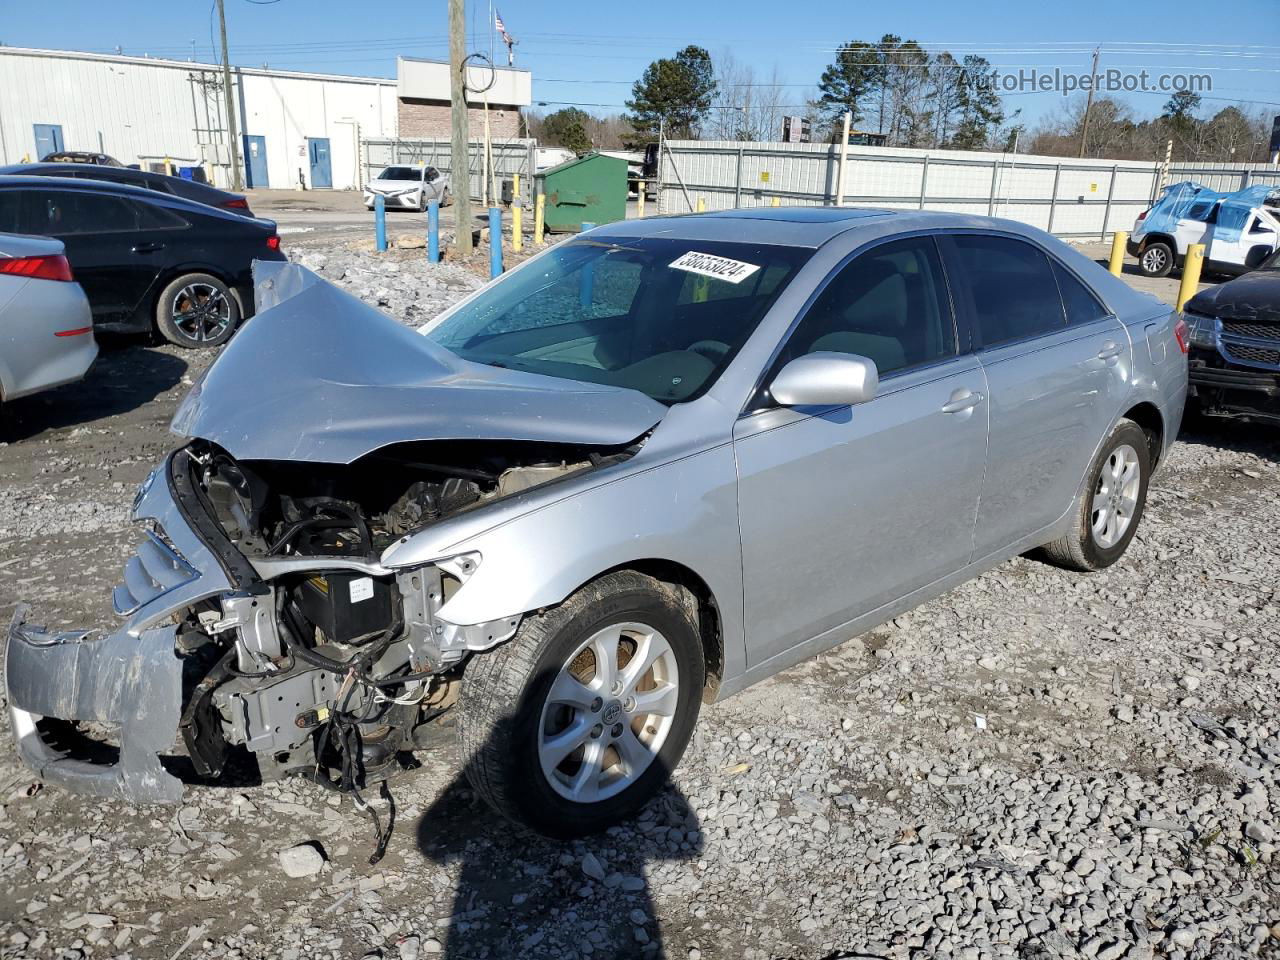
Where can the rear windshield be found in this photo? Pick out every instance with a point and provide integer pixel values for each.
(662, 316)
(400, 173)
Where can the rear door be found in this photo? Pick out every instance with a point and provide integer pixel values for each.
(114, 261)
(1057, 367)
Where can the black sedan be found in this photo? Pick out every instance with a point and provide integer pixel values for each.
(147, 261)
(174, 186)
(1235, 346)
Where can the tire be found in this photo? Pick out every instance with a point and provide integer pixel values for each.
(1086, 548)
(506, 717)
(1156, 259)
(213, 321)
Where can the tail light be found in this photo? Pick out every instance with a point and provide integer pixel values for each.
(1180, 332)
(273, 242)
(236, 203)
(52, 267)
(1143, 215)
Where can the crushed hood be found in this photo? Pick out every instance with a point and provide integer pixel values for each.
(317, 375)
(1254, 296)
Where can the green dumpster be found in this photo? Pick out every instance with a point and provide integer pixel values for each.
(591, 188)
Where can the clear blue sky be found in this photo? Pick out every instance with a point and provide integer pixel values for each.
(589, 51)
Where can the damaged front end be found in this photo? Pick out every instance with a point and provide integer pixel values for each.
(261, 627)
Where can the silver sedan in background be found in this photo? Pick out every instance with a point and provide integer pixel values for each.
(46, 328)
(647, 468)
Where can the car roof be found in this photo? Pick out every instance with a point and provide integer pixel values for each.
(119, 189)
(804, 226)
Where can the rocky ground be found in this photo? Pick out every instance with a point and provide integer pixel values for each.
(1037, 765)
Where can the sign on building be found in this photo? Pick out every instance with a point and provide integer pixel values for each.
(795, 129)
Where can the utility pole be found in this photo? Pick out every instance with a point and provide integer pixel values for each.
(460, 162)
(233, 135)
(1088, 103)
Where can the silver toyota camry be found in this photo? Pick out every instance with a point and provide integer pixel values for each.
(649, 467)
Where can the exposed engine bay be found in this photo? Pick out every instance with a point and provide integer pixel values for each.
(324, 664)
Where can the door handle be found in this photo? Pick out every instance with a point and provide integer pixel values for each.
(962, 400)
(1110, 350)
(147, 247)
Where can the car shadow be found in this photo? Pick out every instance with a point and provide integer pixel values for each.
(520, 894)
(124, 377)
(1238, 436)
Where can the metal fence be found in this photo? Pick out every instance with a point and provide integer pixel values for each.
(509, 157)
(1070, 198)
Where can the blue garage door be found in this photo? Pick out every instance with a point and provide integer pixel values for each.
(48, 139)
(321, 171)
(255, 161)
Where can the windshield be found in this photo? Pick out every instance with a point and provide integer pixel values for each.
(658, 315)
(400, 173)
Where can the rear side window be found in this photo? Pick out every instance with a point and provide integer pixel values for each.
(888, 304)
(60, 213)
(1080, 303)
(1015, 295)
(10, 202)
(155, 217)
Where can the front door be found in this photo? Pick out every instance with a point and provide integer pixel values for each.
(318, 156)
(1057, 364)
(844, 510)
(255, 161)
(48, 139)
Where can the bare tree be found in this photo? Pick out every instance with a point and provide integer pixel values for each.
(744, 107)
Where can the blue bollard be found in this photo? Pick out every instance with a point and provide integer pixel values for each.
(380, 221)
(495, 242)
(587, 225)
(433, 231)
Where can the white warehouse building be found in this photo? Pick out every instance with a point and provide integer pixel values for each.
(295, 127)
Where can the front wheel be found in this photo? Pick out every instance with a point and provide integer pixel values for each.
(1112, 504)
(197, 310)
(580, 718)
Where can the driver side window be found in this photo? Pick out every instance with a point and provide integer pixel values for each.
(888, 304)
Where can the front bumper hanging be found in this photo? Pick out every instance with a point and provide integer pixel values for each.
(132, 682)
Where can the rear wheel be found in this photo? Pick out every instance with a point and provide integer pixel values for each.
(197, 310)
(1156, 259)
(1112, 504)
(580, 718)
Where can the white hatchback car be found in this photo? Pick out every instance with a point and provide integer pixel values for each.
(408, 188)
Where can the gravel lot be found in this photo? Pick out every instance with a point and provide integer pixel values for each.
(1037, 765)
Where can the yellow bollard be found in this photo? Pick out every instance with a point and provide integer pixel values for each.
(640, 200)
(1116, 265)
(539, 205)
(1190, 273)
(702, 205)
(517, 236)
(776, 202)
(168, 167)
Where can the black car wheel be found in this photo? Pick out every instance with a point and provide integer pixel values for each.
(1156, 259)
(197, 310)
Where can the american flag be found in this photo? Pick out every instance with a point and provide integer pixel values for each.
(497, 22)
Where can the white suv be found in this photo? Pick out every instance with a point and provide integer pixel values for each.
(1239, 230)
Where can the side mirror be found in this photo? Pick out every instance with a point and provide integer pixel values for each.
(826, 379)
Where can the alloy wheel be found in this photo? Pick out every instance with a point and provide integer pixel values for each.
(1115, 496)
(1153, 260)
(201, 312)
(608, 713)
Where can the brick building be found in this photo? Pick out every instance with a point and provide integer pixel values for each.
(423, 107)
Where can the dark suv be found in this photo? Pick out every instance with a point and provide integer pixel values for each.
(1235, 346)
(147, 261)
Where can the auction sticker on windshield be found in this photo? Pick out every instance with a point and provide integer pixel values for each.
(709, 265)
